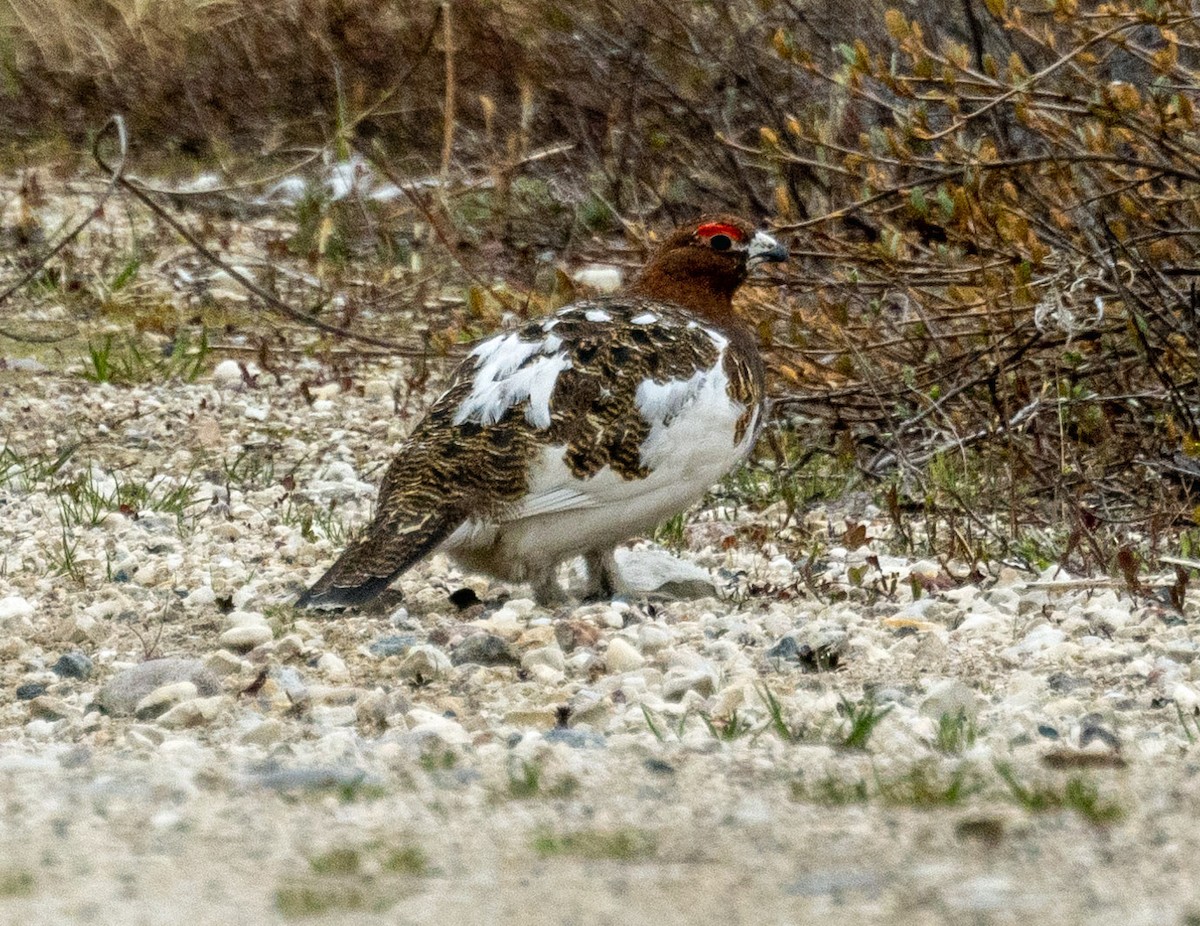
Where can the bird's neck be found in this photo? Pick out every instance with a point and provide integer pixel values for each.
(710, 300)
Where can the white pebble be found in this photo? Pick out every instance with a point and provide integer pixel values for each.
(227, 373)
(622, 657)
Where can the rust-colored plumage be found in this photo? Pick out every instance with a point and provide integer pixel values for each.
(576, 431)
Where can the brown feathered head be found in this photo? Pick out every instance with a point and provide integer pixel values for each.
(700, 266)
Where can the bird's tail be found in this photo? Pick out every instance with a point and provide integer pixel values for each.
(371, 563)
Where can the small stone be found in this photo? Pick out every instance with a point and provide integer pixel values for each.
(246, 637)
(332, 666)
(574, 633)
(679, 682)
(48, 708)
(652, 638)
(41, 729)
(541, 635)
(291, 683)
(950, 698)
(123, 692)
(600, 277)
(264, 733)
(290, 646)
(334, 694)
(622, 657)
(550, 656)
(378, 390)
(80, 628)
(30, 690)
(162, 699)
(223, 662)
(543, 718)
(382, 707)
(485, 649)
(425, 663)
(785, 649)
(576, 739)
(227, 374)
(193, 713)
(342, 715)
(318, 778)
(424, 724)
(73, 665)
(395, 644)
(145, 735)
(14, 608)
(546, 676)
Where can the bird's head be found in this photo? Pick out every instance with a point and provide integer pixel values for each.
(701, 265)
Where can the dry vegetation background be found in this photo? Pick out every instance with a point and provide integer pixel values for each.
(989, 321)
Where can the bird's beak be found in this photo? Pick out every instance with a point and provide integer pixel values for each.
(764, 248)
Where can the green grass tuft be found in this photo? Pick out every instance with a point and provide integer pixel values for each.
(1077, 794)
(622, 845)
(861, 720)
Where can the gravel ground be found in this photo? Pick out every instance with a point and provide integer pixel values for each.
(461, 755)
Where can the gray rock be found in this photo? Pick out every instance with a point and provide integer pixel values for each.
(395, 644)
(951, 697)
(787, 648)
(121, 694)
(658, 573)
(678, 683)
(292, 683)
(485, 649)
(49, 708)
(30, 690)
(317, 778)
(576, 739)
(814, 649)
(424, 663)
(73, 665)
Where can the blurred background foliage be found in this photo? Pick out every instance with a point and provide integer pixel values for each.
(989, 318)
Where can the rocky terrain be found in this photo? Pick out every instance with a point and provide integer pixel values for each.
(841, 735)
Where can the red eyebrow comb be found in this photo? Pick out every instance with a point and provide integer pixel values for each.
(708, 229)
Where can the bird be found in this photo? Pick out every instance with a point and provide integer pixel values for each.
(578, 430)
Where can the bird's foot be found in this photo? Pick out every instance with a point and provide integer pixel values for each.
(546, 590)
(604, 579)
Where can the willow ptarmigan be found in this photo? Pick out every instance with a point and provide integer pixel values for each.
(576, 431)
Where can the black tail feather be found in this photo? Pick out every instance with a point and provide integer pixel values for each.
(371, 564)
(335, 597)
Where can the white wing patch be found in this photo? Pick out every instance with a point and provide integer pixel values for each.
(646, 318)
(598, 316)
(506, 375)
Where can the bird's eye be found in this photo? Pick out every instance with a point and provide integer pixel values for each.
(720, 242)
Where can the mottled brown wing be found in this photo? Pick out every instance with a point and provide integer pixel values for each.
(595, 414)
(441, 475)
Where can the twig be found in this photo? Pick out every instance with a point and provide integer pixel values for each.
(117, 177)
(448, 114)
(423, 207)
(272, 301)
